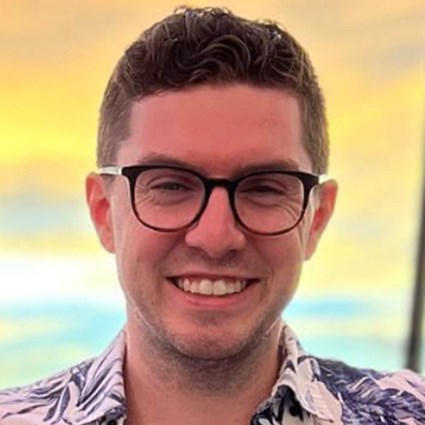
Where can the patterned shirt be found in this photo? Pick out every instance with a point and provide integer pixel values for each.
(308, 391)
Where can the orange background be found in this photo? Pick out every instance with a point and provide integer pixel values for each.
(56, 57)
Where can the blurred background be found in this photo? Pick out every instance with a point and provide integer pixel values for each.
(59, 297)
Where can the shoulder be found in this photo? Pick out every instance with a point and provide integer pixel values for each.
(82, 394)
(44, 401)
(368, 396)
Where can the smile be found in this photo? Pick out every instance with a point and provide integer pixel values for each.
(218, 287)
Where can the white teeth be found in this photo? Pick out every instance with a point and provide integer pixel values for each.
(194, 287)
(186, 285)
(205, 287)
(218, 287)
(230, 289)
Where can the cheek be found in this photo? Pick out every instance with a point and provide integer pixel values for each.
(285, 258)
(286, 251)
(141, 253)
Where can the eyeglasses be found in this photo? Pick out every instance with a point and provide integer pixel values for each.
(170, 198)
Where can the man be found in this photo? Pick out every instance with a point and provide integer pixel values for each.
(212, 144)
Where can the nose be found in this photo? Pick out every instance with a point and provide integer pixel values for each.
(216, 232)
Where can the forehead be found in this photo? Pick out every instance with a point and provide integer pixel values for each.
(216, 129)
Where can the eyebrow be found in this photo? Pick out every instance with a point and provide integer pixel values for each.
(283, 164)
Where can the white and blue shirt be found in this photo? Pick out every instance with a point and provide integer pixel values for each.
(308, 391)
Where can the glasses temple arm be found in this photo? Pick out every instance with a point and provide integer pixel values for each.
(111, 170)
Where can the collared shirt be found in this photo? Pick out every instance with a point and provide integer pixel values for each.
(308, 391)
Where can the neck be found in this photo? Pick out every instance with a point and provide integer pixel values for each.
(164, 388)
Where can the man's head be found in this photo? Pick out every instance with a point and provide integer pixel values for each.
(205, 96)
(211, 46)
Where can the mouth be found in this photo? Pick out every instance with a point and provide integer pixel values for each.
(220, 287)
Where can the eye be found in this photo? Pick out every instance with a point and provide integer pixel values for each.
(264, 188)
(164, 187)
(267, 186)
(170, 186)
(167, 181)
(270, 190)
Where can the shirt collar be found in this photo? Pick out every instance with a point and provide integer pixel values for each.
(102, 396)
(101, 387)
(301, 373)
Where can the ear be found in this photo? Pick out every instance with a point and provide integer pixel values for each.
(324, 204)
(97, 198)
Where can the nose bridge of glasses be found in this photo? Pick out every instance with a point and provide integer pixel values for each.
(211, 184)
(228, 185)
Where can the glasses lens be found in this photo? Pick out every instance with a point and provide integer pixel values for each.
(167, 198)
(270, 202)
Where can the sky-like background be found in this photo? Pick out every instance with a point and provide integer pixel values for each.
(55, 59)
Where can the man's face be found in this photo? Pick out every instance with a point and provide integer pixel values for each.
(221, 132)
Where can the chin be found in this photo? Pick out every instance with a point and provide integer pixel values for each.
(217, 345)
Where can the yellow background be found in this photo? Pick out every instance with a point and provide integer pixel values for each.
(56, 57)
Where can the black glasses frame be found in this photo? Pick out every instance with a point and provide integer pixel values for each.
(132, 172)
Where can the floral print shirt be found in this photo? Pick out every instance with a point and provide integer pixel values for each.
(308, 391)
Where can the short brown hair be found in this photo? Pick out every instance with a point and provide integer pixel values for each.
(196, 46)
